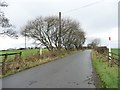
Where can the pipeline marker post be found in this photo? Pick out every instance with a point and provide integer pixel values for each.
(109, 54)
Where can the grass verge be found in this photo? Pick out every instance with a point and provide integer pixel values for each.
(108, 75)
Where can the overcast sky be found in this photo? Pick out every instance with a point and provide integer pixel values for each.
(98, 18)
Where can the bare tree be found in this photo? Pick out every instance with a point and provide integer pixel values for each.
(79, 39)
(38, 29)
(46, 31)
(5, 24)
(95, 42)
(72, 36)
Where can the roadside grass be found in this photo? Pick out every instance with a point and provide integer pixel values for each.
(107, 74)
(33, 60)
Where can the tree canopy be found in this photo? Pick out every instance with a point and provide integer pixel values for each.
(46, 31)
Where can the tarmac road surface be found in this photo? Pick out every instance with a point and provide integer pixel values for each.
(73, 71)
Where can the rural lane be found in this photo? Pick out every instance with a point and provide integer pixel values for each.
(73, 71)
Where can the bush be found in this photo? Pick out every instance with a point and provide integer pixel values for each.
(102, 50)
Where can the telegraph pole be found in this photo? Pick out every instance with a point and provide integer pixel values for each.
(59, 41)
(25, 39)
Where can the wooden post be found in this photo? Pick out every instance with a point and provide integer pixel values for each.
(25, 38)
(3, 64)
(20, 58)
(112, 59)
(20, 54)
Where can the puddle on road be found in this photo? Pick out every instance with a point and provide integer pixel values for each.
(32, 82)
(90, 80)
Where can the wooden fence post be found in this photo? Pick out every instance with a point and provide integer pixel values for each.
(20, 55)
(112, 60)
(3, 64)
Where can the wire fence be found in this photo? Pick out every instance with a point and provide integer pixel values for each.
(110, 57)
(5, 62)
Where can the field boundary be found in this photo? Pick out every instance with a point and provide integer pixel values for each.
(110, 57)
(5, 57)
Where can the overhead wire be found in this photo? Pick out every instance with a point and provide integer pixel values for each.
(90, 4)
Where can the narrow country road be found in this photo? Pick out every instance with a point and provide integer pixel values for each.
(73, 71)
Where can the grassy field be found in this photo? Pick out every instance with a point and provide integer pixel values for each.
(25, 53)
(107, 74)
(116, 51)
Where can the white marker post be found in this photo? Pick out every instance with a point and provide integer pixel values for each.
(110, 50)
(40, 51)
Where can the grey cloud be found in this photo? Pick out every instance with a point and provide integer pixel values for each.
(98, 18)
